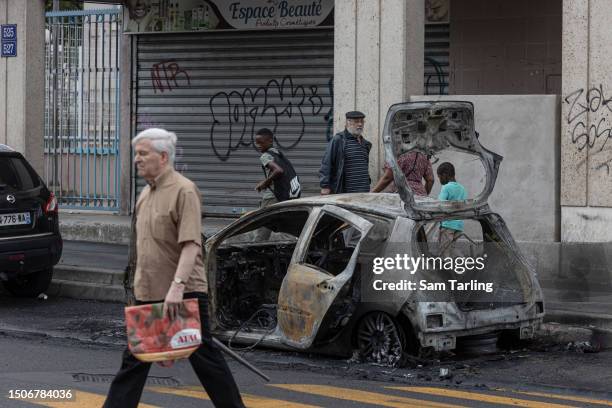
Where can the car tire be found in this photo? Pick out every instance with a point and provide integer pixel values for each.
(30, 285)
(380, 339)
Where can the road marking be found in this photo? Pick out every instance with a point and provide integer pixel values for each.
(564, 397)
(474, 396)
(362, 396)
(82, 400)
(251, 401)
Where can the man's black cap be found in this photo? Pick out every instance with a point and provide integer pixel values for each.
(355, 115)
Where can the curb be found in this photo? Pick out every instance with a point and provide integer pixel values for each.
(103, 276)
(17, 331)
(86, 291)
(571, 327)
(599, 320)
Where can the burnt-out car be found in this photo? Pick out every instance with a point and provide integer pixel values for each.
(305, 274)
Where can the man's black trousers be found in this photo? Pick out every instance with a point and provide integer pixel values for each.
(207, 362)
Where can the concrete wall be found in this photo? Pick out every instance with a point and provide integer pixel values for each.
(505, 47)
(126, 117)
(378, 61)
(586, 155)
(22, 80)
(525, 130)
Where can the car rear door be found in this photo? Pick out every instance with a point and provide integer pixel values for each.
(308, 290)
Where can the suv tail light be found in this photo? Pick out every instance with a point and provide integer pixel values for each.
(51, 206)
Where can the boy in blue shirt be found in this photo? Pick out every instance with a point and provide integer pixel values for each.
(451, 191)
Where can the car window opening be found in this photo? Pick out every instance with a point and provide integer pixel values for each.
(478, 241)
(332, 244)
(250, 269)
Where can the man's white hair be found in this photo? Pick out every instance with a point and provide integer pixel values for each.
(161, 140)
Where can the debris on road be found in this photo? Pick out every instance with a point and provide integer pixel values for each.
(445, 373)
(583, 347)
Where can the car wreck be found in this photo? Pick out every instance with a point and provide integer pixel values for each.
(309, 283)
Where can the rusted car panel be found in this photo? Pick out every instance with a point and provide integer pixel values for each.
(305, 286)
(300, 309)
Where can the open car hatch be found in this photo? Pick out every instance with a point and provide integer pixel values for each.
(429, 128)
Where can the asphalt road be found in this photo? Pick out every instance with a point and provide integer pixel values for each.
(43, 364)
(63, 344)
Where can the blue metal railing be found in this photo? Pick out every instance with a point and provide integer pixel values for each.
(82, 112)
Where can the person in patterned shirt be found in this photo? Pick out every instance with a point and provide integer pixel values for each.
(416, 168)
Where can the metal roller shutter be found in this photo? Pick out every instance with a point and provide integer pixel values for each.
(437, 44)
(215, 89)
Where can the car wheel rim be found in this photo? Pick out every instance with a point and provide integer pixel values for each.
(379, 339)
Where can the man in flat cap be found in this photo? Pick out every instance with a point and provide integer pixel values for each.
(345, 165)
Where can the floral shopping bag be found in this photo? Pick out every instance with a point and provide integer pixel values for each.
(152, 337)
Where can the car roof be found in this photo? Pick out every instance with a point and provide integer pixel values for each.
(6, 149)
(385, 204)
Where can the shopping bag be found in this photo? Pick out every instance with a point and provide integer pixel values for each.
(153, 337)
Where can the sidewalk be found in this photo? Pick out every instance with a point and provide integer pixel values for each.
(96, 273)
(78, 279)
(115, 229)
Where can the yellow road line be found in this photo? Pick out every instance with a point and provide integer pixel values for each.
(566, 397)
(474, 396)
(82, 400)
(366, 397)
(251, 401)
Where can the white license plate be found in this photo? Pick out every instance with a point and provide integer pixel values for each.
(15, 219)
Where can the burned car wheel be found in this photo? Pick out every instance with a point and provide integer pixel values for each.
(30, 285)
(380, 339)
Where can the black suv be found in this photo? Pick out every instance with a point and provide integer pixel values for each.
(30, 241)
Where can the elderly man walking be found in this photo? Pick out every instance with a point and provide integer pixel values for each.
(169, 268)
(345, 164)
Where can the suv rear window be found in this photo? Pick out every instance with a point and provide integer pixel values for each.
(17, 175)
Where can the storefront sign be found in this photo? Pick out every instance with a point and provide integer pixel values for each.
(9, 40)
(198, 15)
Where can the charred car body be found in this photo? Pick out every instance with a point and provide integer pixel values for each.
(307, 285)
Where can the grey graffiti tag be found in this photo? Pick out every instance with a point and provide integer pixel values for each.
(280, 106)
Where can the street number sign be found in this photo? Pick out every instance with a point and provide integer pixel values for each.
(8, 41)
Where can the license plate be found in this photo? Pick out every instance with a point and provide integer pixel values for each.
(15, 219)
